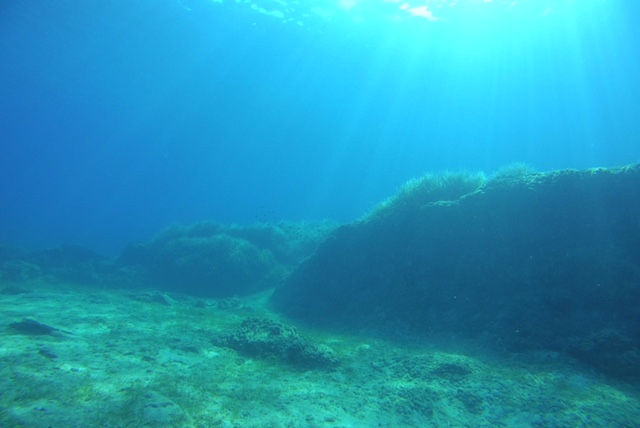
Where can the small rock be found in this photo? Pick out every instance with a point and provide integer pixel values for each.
(154, 297)
(158, 410)
(32, 327)
(48, 353)
(266, 338)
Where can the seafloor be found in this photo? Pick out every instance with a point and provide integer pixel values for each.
(144, 358)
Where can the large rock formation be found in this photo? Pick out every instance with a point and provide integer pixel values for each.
(213, 260)
(527, 260)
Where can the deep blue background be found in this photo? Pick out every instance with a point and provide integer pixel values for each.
(119, 118)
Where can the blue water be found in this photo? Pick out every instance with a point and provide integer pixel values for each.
(118, 118)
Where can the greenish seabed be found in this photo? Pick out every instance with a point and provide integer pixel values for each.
(138, 359)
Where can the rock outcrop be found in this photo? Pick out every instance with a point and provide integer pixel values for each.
(525, 261)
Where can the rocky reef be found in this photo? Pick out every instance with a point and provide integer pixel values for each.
(524, 260)
(204, 259)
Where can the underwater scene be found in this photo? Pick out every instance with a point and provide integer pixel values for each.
(322, 213)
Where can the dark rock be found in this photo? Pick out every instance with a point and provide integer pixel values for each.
(208, 263)
(47, 353)
(32, 327)
(452, 372)
(152, 297)
(212, 260)
(265, 338)
(525, 262)
(610, 352)
(158, 410)
(200, 304)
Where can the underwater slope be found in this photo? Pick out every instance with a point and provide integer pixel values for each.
(527, 261)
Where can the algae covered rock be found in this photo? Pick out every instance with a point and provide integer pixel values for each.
(212, 260)
(610, 352)
(209, 264)
(526, 261)
(266, 338)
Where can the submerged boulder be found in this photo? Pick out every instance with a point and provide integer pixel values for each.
(525, 260)
(212, 260)
(218, 265)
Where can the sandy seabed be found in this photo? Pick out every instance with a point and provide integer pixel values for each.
(123, 358)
